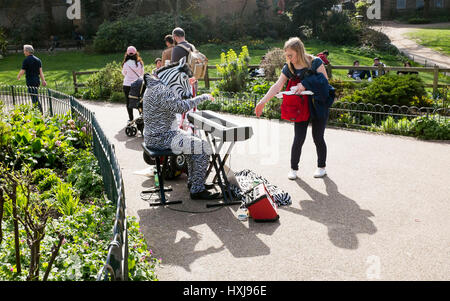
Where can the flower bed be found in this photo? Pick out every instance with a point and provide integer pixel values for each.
(55, 221)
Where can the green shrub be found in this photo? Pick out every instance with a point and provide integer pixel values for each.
(148, 32)
(102, 84)
(418, 20)
(392, 90)
(431, 127)
(338, 29)
(233, 70)
(117, 97)
(85, 176)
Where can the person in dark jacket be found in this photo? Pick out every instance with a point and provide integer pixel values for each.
(32, 68)
(300, 64)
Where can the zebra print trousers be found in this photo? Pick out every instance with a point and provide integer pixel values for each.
(196, 151)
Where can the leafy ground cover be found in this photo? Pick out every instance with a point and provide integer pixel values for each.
(55, 221)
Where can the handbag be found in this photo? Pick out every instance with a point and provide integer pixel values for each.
(295, 107)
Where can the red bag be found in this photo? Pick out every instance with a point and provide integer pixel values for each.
(294, 107)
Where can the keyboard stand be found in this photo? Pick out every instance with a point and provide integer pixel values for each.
(221, 176)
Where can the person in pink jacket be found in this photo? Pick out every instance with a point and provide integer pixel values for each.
(132, 69)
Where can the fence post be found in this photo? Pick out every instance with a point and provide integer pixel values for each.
(329, 71)
(13, 96)
(207, 78)
(74, 75)
(435, 79)
(50, 102)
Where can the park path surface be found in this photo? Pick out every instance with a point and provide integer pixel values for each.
(381, 213)
(421, 54)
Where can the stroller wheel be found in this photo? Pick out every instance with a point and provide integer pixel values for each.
(174, 170)
(131, 131)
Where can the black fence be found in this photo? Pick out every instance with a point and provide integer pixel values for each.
(345, 114)
(56, 103)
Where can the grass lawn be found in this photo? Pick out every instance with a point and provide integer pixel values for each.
(435, 38)
(58, 67)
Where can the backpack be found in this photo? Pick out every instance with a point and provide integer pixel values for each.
(197, 61)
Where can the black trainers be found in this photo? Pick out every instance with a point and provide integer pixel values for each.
(208, 186)
(206, 195)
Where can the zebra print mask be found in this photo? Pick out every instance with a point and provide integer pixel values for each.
(176, 77)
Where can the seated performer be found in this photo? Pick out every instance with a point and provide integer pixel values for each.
(166, 96)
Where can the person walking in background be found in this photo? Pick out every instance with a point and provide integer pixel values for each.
(182, 47)
(32, 68)
(310, 73)
(132, 69)
(167, 53)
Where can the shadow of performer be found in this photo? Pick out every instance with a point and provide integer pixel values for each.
(342, 215)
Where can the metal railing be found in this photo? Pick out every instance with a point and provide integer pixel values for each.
(353, 114)
(56, 103)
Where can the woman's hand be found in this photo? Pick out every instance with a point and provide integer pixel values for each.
(300, 88)
(259, 108)
(210, 97)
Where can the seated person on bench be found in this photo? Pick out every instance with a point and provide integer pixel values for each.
(165, 97)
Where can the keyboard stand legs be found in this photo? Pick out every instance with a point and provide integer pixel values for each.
(221, 176)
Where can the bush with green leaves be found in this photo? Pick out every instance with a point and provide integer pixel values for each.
(85, 175)
(54, 228)
(148, 32)
(392, 90)
(29, 138)
(105, 82)
(338, 28)
(233, 70)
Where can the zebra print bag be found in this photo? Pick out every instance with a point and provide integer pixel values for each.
(247, 180)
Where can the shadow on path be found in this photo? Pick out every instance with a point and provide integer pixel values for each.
(342, 215)
(183, 237)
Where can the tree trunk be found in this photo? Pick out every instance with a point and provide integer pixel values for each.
(2, 201)
(47, 8)
(426, 8)
(16, 227)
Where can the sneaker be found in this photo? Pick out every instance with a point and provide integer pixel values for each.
(292, 175)
(208, 186)
(206, 195)
(320, 172)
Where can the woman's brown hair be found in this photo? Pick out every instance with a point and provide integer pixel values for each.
(135, 57)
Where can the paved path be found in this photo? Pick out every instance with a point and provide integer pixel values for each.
(422, 55)
(382, 212)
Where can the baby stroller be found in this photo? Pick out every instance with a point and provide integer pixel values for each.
(135, 102)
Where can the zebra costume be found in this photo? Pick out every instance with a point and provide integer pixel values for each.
(163, 99)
